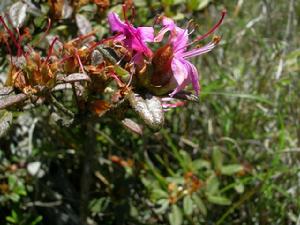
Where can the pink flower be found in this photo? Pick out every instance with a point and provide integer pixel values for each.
(183, 72)
(133, 38)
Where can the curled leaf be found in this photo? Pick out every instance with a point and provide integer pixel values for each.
(75, 77)
(149, 108)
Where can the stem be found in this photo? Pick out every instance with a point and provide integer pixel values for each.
(88, 151)
(61, 106)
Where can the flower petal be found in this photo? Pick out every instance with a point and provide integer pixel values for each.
(116, 25)
(194, 76)
(179, 40)
(180, 74)
(146, 33)
(168, 25)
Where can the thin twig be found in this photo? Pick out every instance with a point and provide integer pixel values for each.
(61, 107)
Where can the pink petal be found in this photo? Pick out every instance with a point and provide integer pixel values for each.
(180, 74)
(169, 25)
(116, 25)
(194, 76)
(179, 40)
(146, 33)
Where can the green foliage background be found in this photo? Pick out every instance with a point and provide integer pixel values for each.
(241, 142)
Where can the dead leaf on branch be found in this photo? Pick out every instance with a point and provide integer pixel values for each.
(75, 77)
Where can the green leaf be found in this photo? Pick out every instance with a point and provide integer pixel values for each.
(231, 169)
(188, 205)
(203, 4)
(198, 201)
(13, 218)
(159, 194)
(120, 71)
(217, 157)
(212, 184)
(219, 200)
(175, 216)
(240, 188)
(14, 197)
(200, 164)
(98, 205)
(164, 205)
(37, 220)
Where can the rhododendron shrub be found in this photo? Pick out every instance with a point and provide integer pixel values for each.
(130, 77)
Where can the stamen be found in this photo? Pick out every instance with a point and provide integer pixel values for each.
(157, 19)
(216, 39)
(51, 49)
(212, 29)
(79, 61)
(65, 59)
(133, 13)
(9, 49)
(12, 36)
(103, 41)
(130, 80)
(45, 34)
(124, 8)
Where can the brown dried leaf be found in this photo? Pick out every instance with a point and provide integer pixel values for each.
(99, 107)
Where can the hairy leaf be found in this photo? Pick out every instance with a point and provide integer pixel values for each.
(149, 108)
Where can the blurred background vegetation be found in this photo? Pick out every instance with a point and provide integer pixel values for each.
(232, 158)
